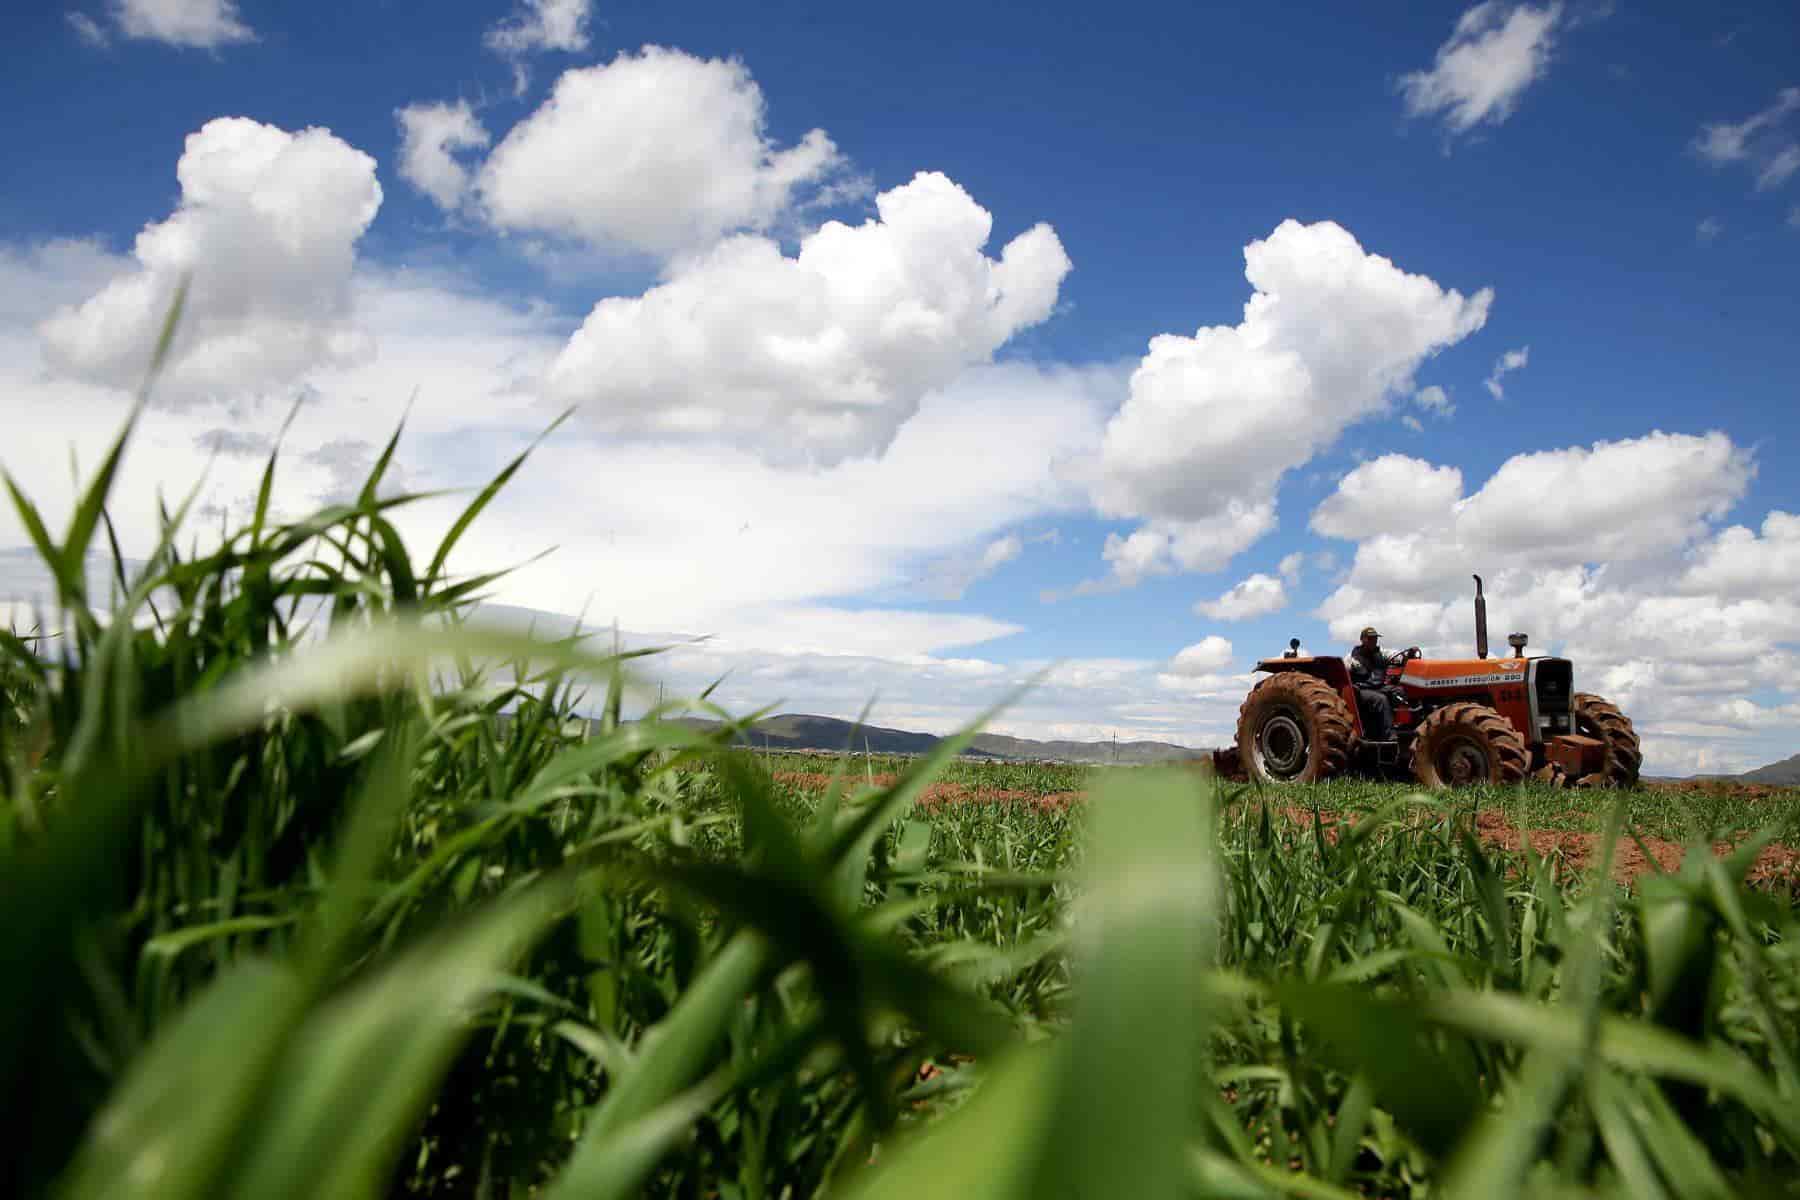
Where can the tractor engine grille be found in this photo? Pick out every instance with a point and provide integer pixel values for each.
(1553, 682)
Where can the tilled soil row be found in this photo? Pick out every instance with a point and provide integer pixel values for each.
(1565, 849)
(1573, 851)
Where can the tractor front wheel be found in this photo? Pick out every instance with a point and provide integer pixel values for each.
(1294, 728)
(1597, 718)
(1467, 743)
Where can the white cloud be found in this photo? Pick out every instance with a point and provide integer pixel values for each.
(1582, 548)
(1763, 142)
(199, 24)
(1213, 422)
(659, 153)
(1742, 565)
(1434, 400)
(1779, 169)
(41, 276)
(88, 29)
(1291, 565)
(1616, 500)
(689, 530)
(267, 226)
(1617, 503)
(822, 355)
(543, 25)
(1512, 360)
(430, 134)
(1392, 494)
(687, 534)
(1724, 142)
(1709, 229)
(1494, 54)
(1207, 656)
(951, 578)
(1255, 596)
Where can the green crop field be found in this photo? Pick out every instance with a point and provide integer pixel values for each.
(291, 912)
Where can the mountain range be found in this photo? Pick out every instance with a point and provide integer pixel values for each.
(798, 731)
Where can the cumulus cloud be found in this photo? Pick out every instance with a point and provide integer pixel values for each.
(543, 25)
(1512, 360)
(1493, 55)
(1393, 494)
(1763, 142)
(1212, 423)
(821, 355)
(1208, 656)
(537, 27)
(430, 135)
(1291, 566)
(197, 24)
(1741, 564)
(1255, 596)
(1614, 502)
(267, 226)
(1582, 548)
(656, 152)
(38, 277)
(1434, 400)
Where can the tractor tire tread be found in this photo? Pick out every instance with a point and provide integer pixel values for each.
(1511, 759)
(1624, 753)
(1331, 729)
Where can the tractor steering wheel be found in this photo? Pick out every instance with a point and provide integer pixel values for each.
(1400, 659)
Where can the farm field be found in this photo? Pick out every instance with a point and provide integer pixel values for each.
(296, 915)
(1562, 824)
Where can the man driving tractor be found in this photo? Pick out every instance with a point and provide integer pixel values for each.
(1368, 672)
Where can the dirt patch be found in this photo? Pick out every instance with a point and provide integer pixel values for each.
(1566, 850)
(1632, 857)
(1572, 851)
(1726, 788)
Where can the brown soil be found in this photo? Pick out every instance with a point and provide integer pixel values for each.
(1572, 851)
(1721, 787)
(1566, 850)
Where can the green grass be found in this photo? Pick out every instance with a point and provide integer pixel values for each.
(290, 911)
(1671, 814)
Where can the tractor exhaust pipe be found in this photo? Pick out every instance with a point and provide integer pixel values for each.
(1480, 621)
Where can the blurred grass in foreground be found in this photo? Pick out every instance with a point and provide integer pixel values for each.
(291, 912)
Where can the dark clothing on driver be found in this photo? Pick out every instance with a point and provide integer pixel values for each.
(1368, 672)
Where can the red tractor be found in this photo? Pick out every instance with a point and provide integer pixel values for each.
(1456, 721)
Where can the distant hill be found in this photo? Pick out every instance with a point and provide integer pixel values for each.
(1785, 773)
(796, 731)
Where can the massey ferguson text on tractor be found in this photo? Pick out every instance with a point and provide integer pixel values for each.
(1455, 721)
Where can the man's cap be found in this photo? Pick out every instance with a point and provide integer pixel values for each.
(1369, 631)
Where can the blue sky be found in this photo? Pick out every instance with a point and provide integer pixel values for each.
(1608, 193)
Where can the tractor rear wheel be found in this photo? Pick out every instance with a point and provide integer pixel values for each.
(1598, 718)
(1467, 743)
(1294, 728)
